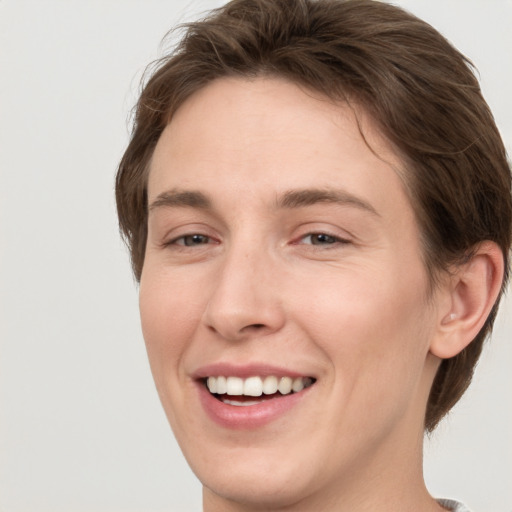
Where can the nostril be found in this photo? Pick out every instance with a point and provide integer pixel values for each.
(253, 328)
(246, 330)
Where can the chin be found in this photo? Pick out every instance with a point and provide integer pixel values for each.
(261, 487)
(262, 473)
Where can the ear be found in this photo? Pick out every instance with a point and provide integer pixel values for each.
(468, 297)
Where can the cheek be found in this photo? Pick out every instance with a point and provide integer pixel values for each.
(374, 326)
(377, 347)
(170, 312)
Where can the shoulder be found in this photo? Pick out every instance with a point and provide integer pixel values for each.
(454, 506)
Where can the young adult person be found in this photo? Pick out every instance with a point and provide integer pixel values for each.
(317, 204)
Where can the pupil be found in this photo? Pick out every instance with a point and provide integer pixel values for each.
(322, 238)
(195, 240)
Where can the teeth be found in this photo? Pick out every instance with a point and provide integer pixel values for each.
(241, 404)
(256, 386)
(285, 385)
(235, 386)
(212, 384)
(297, 385)
(222, 387)
(270, 385)
(253, 386)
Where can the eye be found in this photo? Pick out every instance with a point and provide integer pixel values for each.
(191, 240)
(322, 239)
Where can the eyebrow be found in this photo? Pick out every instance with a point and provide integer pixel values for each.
(289, 200)
(182, 198)
(308, 197)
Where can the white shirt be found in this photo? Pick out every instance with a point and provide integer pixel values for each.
(454, 506)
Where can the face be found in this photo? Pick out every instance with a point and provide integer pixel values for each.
(283, 270)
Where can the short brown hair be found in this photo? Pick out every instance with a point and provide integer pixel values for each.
(415, 85)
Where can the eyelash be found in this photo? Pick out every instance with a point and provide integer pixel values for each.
(175, 241)
(322, 239)
(330, 240)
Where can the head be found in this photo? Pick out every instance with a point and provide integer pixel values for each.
(415, 102)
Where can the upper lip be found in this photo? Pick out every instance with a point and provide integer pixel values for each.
(246, 370)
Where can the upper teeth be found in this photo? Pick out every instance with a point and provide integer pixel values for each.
(257, 386)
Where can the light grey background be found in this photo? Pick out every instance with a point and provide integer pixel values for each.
(81, 428)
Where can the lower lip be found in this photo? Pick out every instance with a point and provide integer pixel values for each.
(249, 416)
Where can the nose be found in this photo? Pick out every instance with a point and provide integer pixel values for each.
(246, 298)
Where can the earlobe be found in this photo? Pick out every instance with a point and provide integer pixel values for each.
(471, 293)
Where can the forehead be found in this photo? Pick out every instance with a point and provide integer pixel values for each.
(273, 135)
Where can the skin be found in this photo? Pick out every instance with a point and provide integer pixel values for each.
(351, 309)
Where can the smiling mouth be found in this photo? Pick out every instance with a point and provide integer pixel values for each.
(254, 390)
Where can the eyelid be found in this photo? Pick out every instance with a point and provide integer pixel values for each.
(187, 229)
(337, 240)
(341, 236)
(173, 240)
(183, 237)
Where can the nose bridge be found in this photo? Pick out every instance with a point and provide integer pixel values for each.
(245, 300)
